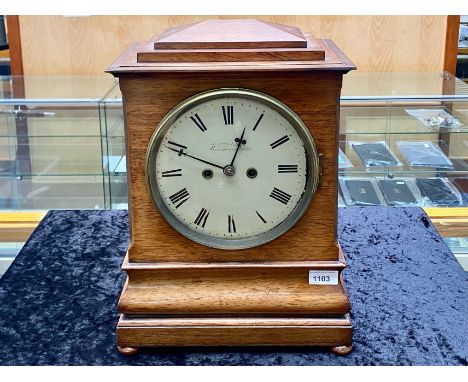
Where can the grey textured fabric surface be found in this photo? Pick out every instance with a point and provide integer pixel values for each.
(408, 294)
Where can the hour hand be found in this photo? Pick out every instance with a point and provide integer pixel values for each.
(240, 141)
(182, 152)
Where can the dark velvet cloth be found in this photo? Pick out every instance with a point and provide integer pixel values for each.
(58, 300)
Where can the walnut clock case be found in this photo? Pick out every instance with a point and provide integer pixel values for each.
(231, 132)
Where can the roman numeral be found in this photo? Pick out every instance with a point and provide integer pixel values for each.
(176, 144)
(231, 224)
(282, 168)
(196, 119)
(258, 121)
(228, 114)
(278, 142)
(169, 173)
(280, 196)
(261, 217)
(201, 218)
(180, 197)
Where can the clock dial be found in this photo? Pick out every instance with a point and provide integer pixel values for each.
(232, 168)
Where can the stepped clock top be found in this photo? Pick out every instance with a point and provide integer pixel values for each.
(240, 34)
(232, 45)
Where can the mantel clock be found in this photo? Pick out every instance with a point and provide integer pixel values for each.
(231, 130)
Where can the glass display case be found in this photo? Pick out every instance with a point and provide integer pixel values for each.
(53, 142)
(404, 142)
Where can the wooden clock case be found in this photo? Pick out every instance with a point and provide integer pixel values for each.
(180, 293)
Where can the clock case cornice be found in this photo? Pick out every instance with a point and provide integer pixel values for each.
(231, 46)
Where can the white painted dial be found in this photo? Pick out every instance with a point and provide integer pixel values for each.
(231, 167)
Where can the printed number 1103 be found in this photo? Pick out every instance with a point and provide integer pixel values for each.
(323, 277)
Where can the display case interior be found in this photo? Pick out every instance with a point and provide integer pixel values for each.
(53, 142)
(405, 147)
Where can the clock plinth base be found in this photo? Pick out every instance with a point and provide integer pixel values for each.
(233, 304)
(331, 332)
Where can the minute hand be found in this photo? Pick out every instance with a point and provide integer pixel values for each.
(181, 152)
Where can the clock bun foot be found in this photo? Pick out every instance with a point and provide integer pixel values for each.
(127, 350)
(342, 350)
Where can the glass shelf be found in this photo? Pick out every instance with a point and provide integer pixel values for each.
(460, 165)
(51, 192)
(391, 119)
